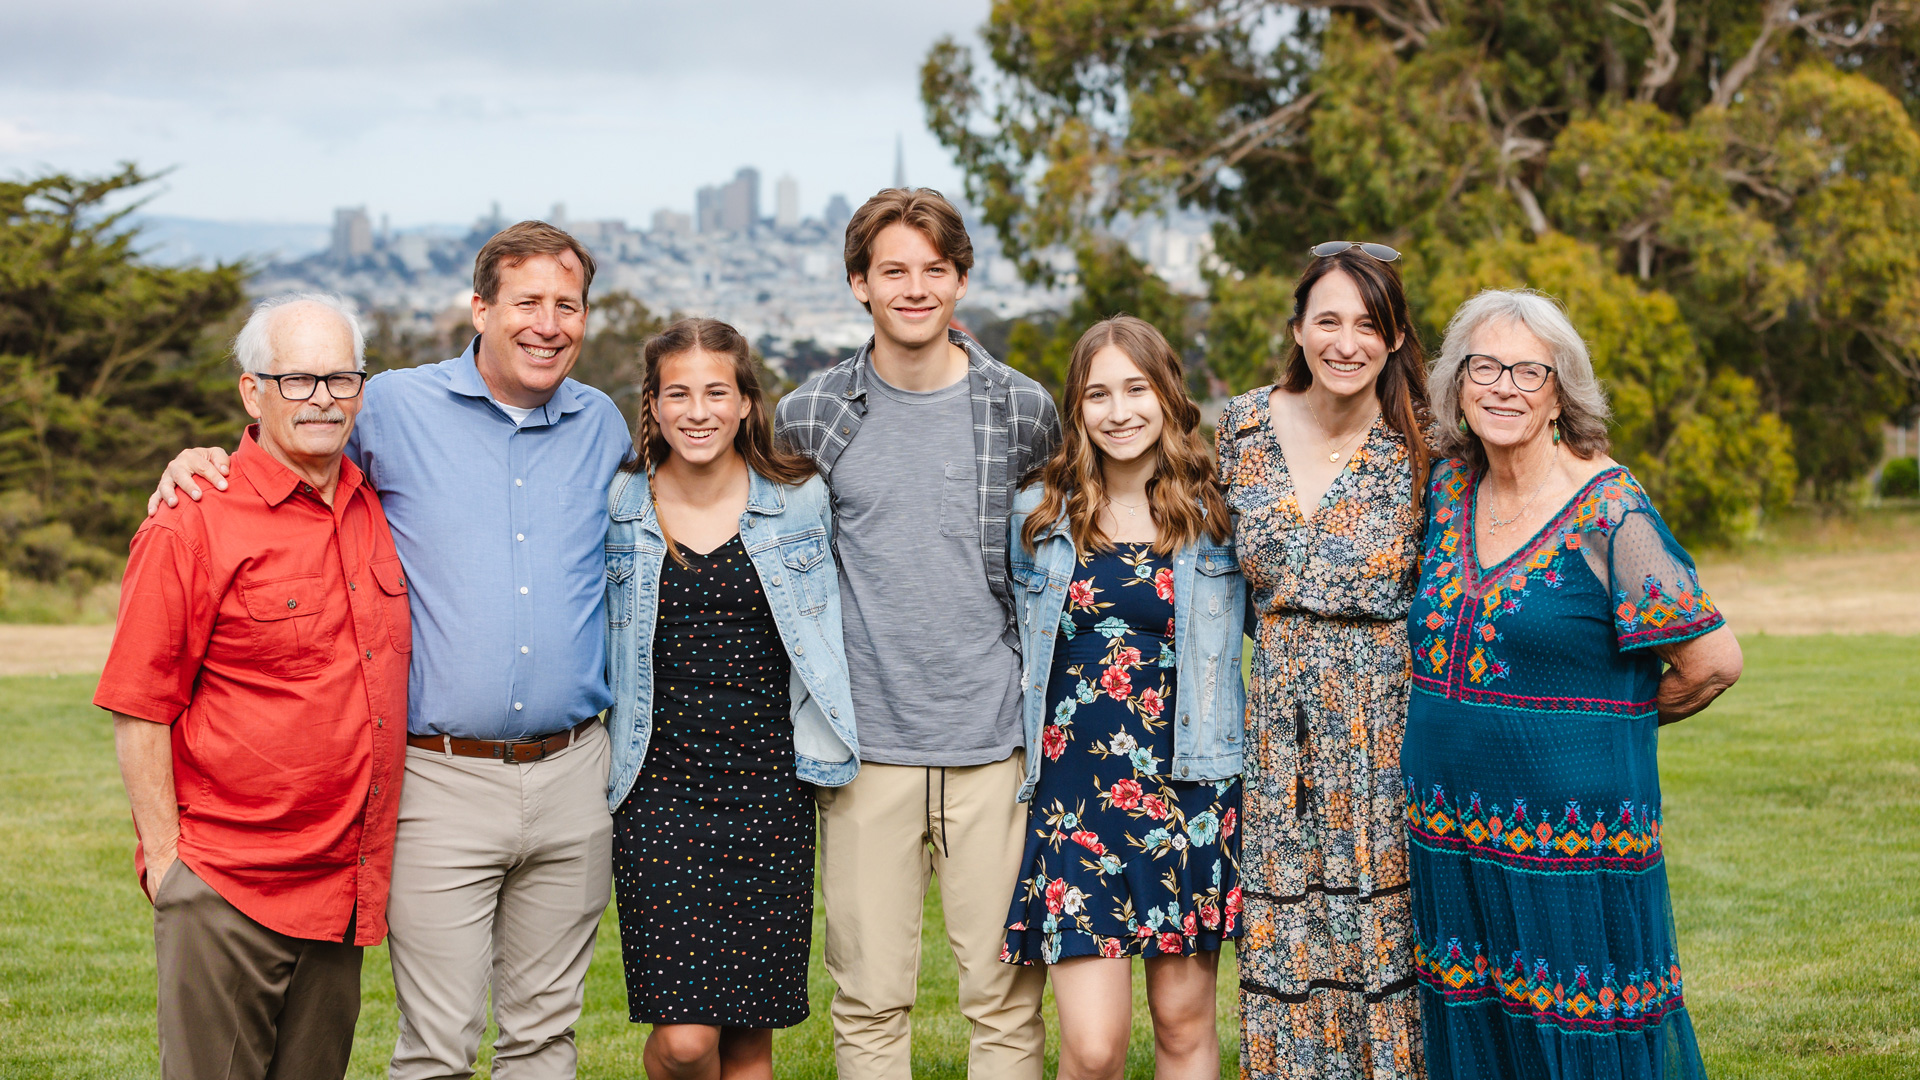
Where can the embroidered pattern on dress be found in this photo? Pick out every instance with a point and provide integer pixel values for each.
(1573, 840)
(1576, 1002)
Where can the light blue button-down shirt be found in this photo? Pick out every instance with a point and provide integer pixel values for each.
(500, 528)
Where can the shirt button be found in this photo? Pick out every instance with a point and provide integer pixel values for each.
(369, 654)
(1184, 770)
(351, 586)
(799, 650)
(376, 789)
(843, 431)
(522, 537)
(835, 713)
(363, 860)
(291, 604)
(517, 482)
(523, 590)
(517, 706)
(776, 579)
(523, 649)
(379, 722)
(1186, 721)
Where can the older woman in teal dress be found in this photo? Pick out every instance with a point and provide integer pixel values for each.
(1550, 595)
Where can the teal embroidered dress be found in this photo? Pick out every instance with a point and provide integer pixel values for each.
(1545, 936)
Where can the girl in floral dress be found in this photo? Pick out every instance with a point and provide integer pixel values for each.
(1130, 614)
(1322, 473)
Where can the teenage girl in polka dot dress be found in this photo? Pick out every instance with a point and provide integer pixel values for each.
(721, 589)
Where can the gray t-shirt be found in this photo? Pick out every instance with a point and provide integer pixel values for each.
(934, 683)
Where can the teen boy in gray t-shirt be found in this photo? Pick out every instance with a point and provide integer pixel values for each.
(922, 438)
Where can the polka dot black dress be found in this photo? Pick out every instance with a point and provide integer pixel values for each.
(713, 848)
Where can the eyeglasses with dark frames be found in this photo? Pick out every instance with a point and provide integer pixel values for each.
(1335, 247)
(1527, 375)
(299, 385)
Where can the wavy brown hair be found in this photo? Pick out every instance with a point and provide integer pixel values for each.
(1402, 385)
(1184, 479)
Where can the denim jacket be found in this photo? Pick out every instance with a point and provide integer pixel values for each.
(1209, 601)
(787, 532)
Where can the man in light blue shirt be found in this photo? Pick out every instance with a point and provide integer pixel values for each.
(493, 468)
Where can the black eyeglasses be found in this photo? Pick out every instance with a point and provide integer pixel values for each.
(1527, 375)
(299, 386)
(1335, 247)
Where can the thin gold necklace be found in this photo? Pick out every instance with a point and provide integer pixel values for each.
(1333, 454)
(1494, 522)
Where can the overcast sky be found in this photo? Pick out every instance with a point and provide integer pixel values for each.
(430, 110)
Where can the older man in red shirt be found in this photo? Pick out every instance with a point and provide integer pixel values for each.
(258, 682)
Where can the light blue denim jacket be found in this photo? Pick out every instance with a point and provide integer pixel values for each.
(788, 533)
(1209, 604)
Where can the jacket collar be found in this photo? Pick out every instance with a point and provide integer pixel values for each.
(633, 499)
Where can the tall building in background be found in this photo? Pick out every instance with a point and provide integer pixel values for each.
(671, 223)
(786, 202)
(740, 202)
(352, 234)
(706, 209)
(899, 161)
(837, 215)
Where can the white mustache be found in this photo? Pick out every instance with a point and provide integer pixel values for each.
(321, 416)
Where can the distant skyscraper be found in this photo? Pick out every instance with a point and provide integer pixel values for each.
(706, 212)
(740, 202)
(557, 217)
(786, 202)
(671, 223)
(899, 161)
(352, 234)
(837, 215)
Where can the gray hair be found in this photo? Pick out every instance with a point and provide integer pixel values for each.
(253, 346)
(1583, 403)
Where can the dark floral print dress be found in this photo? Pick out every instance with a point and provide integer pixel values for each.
(1546, 938)
(1120, 859)
(1326, 963)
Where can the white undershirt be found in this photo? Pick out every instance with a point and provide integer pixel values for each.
(519, 414)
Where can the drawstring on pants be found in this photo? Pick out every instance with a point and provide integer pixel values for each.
(945, 852)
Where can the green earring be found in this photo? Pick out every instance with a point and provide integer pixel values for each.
(1556, 433)
(1463, 425)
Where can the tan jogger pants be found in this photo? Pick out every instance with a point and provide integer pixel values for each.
(881, 837)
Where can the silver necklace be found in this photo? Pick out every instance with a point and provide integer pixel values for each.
(1333, 455)
(1494, 521)
(1131, 508)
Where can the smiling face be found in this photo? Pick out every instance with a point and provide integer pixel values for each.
(311, 434)
(1503, 415)
(698, 407)
(1344, 349)
(1118, 408)
(530, 334)
(910, 287)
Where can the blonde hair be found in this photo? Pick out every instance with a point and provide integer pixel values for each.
(1184, 479)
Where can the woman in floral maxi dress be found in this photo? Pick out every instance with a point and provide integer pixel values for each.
(1326, 961)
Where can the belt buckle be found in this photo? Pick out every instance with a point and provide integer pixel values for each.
(512, 757)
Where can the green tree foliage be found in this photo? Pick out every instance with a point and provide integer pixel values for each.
(107, 366)
(1726, 193)
(1112, 282)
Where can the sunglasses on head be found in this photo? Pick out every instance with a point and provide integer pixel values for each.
(1335, 247)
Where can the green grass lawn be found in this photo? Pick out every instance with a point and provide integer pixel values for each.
(1793, 842)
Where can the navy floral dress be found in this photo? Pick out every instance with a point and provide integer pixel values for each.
(1121, 860)
(1546, 946)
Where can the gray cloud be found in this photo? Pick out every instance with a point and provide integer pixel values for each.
(431, 108)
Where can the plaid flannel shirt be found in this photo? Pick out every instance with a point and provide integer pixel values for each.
(1015, 427)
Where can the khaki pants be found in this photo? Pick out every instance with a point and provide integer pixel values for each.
(241, 1002)
(500, 874)
(876, 855)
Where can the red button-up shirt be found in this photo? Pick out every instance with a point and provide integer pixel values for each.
(271, 631)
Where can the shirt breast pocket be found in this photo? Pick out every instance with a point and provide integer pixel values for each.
(393, 602)
(283, 614)
(1214, 564)
(803, 561)
(959, 501)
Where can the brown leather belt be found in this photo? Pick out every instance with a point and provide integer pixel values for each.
(515, 752)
